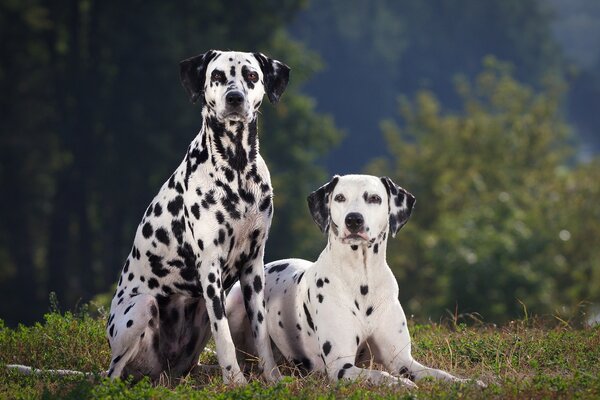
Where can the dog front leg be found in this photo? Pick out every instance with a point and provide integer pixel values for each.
(212, 290)
(393, 344)
(252, 280)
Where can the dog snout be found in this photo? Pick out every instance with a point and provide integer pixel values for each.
(234, 98)
(354, 222)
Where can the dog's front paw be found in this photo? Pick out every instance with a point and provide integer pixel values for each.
(479, 383)
(234, 378)
(272, 375)
(408, 383)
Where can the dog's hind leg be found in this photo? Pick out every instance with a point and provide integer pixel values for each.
(133, 336)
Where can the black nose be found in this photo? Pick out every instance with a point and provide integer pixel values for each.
(354, 222)
(234, 98)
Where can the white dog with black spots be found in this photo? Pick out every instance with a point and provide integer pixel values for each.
(205, 230)
(333, 315)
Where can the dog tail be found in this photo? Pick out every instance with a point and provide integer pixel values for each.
(25, 370)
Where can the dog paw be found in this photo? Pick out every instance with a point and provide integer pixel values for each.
(408, 383)
(273, 375)
(234, 379)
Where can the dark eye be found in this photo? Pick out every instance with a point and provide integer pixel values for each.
(340, 198)
(374, 199)
(252, 76)
(216, 76)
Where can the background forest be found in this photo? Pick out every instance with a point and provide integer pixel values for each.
(488, 112)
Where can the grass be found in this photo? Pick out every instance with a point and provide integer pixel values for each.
(525, 359)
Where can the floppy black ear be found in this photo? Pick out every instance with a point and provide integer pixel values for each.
(401, 204)
(318, 203)
(276, 75)
(193, 74)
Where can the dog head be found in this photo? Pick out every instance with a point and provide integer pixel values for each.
(231, 83)
(358, 208)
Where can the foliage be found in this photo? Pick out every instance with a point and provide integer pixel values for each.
(526, 359)
(504, 218)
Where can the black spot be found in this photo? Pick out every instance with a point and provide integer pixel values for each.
(149, 210)
(156, 265)
(117, 359)
(319, 282)
(211, 278)
(364, 289)
(357, 340)
(175, 205)
(280, 324)
(341, 373)
(126, 266)
(264, 204)
(130, 277)
(356, 304)
(147, 230)
(369, 311)
(129, 323)
(320, 297)
(278, 268)
(177, 227)
(201, 244)
(127, 309)
(257, 284)
(326, 348)
(354, 247)
(217, 307)
(259, 317)
(247, 293)
(219, 216)
(162, 236)
(376, 248)
(111, 330)
(308, 317)
(157, 210)
(210, 291)
(152, 283)
(196, 210)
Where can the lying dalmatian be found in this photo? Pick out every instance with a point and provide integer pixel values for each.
(205, 229)
(321, 316)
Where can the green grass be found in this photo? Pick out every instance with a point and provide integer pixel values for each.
(522, 360)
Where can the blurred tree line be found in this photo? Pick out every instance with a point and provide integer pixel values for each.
(93, 120)
(506, 221)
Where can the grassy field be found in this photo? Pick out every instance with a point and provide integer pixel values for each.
(525, 359)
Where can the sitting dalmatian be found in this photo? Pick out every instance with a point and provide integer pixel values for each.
(205, 229)
(323, 316)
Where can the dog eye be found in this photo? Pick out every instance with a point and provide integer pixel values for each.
(252, 76)
(216, 76)
(339, 198)
(374, 199)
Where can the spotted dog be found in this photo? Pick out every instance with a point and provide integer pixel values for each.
(334, 314)
(205, 230)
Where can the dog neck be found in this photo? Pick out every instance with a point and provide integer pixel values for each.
(228, 145)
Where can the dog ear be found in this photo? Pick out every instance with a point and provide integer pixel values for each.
(318, 203)
(193, 74)
(401, 204)
(276, 75)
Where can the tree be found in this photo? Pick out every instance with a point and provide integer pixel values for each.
(502, 216)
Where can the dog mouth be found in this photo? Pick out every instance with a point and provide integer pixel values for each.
(235, 116)
(357, 236)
